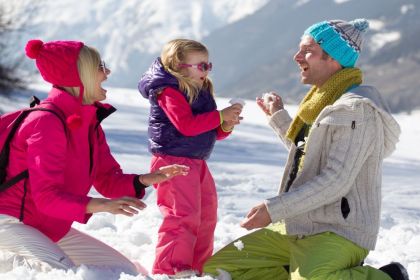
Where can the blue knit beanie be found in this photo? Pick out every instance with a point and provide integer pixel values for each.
(340, 39)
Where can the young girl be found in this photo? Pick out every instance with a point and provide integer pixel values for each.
(183, 127)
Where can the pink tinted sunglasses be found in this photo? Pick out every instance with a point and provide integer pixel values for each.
(102, 66)
(202, 66)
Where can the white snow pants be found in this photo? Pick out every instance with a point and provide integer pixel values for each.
(28, 246)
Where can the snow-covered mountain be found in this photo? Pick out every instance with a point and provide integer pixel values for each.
(129, 34)
(251, 42)
(255, 54)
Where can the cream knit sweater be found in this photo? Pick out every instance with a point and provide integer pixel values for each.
(343, 164)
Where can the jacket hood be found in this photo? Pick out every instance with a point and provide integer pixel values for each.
(155, 79)
(371, 96)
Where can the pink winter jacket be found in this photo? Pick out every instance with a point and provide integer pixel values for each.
(62, 168)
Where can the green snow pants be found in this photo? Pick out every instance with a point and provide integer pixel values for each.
(267, 255)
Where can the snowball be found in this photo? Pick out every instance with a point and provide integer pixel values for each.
(237, 101)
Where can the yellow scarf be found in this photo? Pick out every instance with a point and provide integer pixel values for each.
(318, 98)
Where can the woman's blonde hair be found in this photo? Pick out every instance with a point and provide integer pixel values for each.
(87, 64)
(175, 53)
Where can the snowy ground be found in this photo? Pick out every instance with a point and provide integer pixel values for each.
(247, 168)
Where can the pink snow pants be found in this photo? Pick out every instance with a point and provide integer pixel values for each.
(189, 208)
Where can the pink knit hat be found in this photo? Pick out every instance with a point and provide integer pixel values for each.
(57, 63)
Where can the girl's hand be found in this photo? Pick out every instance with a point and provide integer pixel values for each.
(124, 205)
(270, 103)
(232, 112)
(229, 125)
(164, 173)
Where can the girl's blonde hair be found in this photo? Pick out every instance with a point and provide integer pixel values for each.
(175, 53)
(87, 64)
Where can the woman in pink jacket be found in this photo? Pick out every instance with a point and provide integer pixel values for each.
(65, 155)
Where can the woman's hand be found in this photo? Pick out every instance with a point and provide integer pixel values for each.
(164, 173)
(124, 205)
(270, 103)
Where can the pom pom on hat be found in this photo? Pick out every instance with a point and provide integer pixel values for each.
(56, 61)
(340, 39)
(33, 47)
(74, 121)
(360, 24)
(57, 64)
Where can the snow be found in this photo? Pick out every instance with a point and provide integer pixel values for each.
(234, 10)
(406, 8)
(379, 40)
(123, 30)
(239, 245)
(301, 3)
(376, 24)
(247, 168)
(341, 1)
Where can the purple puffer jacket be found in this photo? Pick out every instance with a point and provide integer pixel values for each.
(164, 138)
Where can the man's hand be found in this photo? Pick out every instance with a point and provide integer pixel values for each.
(256, 218)
(270, 103)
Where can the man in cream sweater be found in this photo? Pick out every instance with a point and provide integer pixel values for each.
(326, 215)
